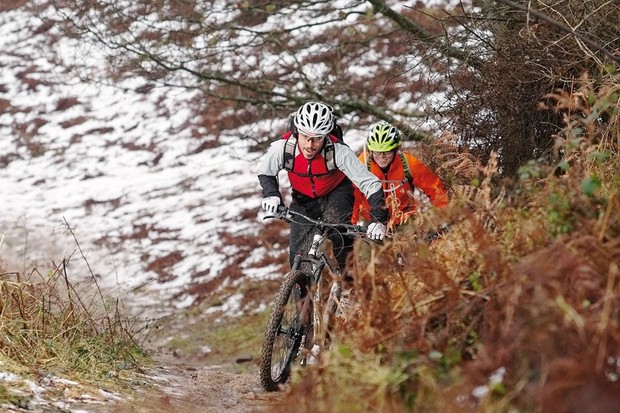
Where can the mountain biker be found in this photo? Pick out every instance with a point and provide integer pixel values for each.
(402, 176)
(321, 171)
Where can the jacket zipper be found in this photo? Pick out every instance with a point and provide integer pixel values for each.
(312, 186)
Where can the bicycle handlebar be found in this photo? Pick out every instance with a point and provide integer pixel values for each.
(286, 214)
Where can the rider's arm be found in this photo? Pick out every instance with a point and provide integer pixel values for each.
(366, 181)
(427, 181)
(271, 164)
(360, 207)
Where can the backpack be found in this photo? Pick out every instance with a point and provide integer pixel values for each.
(291, 144)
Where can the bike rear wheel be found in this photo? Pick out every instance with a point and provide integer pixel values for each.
(287, 326)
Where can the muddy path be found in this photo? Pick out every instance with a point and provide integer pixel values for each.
(187, 386)
(177, 385)
(185, 379)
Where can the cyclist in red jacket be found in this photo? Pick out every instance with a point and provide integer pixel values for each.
(322, 171)
(406, 181)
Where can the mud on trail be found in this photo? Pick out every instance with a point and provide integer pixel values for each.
(203, 362)
(176, 384)
(187, 386)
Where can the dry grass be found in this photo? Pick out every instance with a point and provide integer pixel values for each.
(49, 324)
(516, 307)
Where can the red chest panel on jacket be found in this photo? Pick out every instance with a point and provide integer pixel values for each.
(312, 177)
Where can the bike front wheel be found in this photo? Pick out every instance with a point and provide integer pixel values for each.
(286, 329)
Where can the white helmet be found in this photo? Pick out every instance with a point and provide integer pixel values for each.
(315, 119)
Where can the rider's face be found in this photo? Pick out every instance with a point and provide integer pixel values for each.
(310, 146)
(383, 159)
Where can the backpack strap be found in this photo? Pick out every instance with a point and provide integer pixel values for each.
(337, 132)
(289, 151)
(406, 168)
(330, 159)
(291, 145)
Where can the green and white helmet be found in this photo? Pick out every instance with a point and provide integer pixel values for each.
(383, 137)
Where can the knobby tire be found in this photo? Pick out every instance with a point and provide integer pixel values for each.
(284, 331)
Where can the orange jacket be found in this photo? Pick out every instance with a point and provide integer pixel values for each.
(399, 195)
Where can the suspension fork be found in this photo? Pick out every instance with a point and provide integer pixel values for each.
(309, 314)
(306, 309)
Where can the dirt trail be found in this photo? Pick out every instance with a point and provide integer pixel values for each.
(184, 386)
(183, 382)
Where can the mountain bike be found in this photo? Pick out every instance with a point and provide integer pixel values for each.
(301, 313)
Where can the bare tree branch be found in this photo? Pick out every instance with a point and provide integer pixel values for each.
(419, 32)
(585, 39)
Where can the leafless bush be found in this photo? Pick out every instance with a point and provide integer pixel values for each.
(537, 48)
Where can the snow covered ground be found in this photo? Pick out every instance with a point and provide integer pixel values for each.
(121, 168)
(124, 167)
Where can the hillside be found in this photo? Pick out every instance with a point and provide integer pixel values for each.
(125, 189)
(138, 197)
(132, 173)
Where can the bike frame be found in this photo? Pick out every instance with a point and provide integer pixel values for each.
(318, 262)
(292, 338)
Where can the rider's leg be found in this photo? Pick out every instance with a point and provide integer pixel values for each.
(301, 235)
(339, 209)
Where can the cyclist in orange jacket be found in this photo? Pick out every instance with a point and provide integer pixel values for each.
(407, 183)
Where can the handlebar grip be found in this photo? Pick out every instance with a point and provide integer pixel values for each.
(281, 210)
